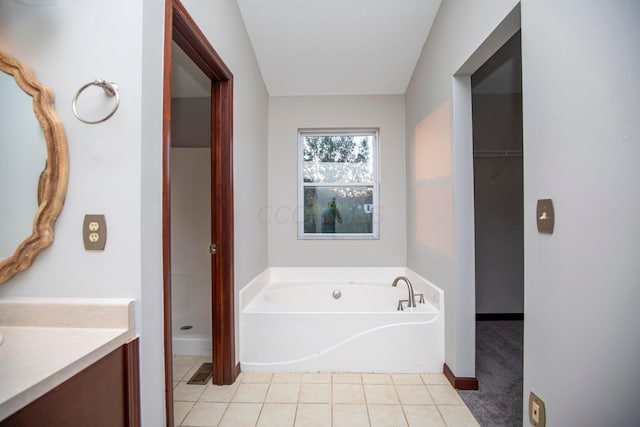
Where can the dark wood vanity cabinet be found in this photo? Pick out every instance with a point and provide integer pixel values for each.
(105, 394)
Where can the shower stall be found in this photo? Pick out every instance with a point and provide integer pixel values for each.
(190, 258)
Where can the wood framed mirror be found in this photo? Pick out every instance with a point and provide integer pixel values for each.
(46, 176)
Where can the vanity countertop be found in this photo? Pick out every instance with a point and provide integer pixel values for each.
(49, 340)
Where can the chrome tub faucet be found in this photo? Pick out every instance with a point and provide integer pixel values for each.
(411, 301)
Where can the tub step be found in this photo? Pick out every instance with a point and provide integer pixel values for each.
(202, 375)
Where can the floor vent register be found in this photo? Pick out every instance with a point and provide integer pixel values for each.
(204, 373)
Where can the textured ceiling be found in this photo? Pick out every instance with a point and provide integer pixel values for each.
(337, 47)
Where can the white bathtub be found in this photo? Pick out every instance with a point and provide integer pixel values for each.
(290, 321)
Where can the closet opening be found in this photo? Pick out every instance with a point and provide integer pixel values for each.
(496, 99)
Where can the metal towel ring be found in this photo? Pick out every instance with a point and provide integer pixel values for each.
(110, 89)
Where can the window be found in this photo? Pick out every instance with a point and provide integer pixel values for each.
(338, 184)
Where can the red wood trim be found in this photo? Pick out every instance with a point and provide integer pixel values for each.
(132, 382)
(499, 316)
(193, 42)
(460, 383)
(166, 214)
(222, 233)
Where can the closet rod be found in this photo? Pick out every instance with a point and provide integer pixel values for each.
(497, 153)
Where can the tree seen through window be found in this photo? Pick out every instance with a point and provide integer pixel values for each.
(338, 184)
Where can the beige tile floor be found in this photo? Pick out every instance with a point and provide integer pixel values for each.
(317, 399)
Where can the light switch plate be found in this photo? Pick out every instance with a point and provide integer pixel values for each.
(94, 232)
(545, 217)
(537, 412)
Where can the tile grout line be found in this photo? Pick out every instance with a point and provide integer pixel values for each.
(331, 396)
(366, 401)
(437, 405)
(264, 401)
(295, 415)
(395, 388)
(227, 403)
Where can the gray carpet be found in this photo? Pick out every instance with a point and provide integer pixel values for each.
(498, 400)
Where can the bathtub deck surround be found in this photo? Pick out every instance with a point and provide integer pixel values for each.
(49, 340)
(340, 319)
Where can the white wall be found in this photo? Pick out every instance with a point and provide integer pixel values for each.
(190, 238)
(115, 167)
(105, 159)
(286, 116)
(222, 24)
(436, 240)
(151, 330)
(581, 149)
(582, 145)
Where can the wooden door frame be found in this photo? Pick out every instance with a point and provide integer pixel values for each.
(181, 28)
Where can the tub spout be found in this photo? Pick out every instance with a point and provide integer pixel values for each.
(412, 299)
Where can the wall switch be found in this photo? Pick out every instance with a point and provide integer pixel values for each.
(545, 217)
(537, 413)
(94, 232)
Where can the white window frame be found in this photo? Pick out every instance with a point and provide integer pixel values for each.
(375, 234)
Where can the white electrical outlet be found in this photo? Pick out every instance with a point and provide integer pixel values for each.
(94, 232)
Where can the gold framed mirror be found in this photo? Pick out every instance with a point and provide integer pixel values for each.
(50, 185)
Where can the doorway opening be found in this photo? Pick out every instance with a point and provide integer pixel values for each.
(182, 31)
(496, 98)
(190, 155)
